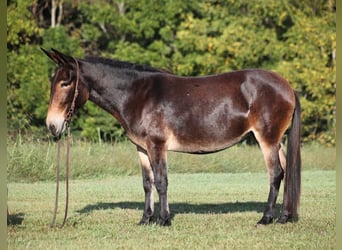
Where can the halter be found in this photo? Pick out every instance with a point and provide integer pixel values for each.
(72, 107)
(67, 124)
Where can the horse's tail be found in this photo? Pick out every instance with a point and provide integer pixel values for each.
(293, 164)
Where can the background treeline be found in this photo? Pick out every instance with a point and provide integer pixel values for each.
(195, 37)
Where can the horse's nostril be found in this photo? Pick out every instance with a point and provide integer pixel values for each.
(52, 129)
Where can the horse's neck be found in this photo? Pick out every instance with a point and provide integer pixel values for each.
(110, 87)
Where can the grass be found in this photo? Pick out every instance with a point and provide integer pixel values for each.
(209, 211)
(215, 200)
(32, 162)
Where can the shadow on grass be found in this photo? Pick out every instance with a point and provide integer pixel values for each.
(181, 208)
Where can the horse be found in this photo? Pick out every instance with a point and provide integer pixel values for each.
(163, 112)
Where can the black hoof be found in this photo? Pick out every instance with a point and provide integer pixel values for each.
(164, 222)
(265, 220)
(286, 218)
(145, 221)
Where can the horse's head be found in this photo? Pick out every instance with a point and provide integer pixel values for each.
(65, 96)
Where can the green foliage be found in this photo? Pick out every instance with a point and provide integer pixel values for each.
(21, 26)
(296, 39)
(28, 88)
(58, 38)
(97, 125)
(309, 64)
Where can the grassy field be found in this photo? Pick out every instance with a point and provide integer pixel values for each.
(32, 162)
(215, 205)
(209, 211)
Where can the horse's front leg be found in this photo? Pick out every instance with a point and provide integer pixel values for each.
(157, 156)
(148, 181)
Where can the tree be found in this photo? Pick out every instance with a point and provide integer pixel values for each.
(196, 37)
(23, 91)
(309, 62)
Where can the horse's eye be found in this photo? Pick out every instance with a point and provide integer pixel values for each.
(65, 84)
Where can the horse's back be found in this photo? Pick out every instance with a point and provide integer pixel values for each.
(243, 90)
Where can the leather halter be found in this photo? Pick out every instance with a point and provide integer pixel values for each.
(72, 107)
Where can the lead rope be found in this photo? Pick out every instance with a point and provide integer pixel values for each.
(67, 122)
(67, 178)
(53, 223)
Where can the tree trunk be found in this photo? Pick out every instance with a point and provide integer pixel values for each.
(53, 13)
(60, 13)
(56, 5)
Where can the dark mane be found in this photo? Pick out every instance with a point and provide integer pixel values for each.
(124, 65)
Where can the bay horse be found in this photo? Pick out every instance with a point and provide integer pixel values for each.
(161, 111)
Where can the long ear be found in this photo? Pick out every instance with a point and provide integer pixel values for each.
(59, 58)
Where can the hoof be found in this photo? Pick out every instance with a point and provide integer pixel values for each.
(264, 221)
(164, 222)
(145, 220)
(286, 218)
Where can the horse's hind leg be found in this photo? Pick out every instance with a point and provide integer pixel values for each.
(276, 173)
(148, 181)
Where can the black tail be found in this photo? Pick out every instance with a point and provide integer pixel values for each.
(293, 165)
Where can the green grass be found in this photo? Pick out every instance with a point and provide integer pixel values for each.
(215, 200)
(32, 162)
(209, 211)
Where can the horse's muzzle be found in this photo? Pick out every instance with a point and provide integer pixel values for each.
(53, 129)
(56, 125)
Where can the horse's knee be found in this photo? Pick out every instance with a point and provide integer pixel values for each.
(161, 184)
(278, 173)
(160, 178)
(147, 184)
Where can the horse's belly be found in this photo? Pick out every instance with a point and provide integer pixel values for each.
(200, 146)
